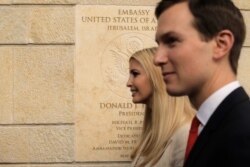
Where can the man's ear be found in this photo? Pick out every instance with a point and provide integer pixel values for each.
(224, 42)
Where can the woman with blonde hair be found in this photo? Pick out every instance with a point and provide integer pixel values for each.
(167, 119)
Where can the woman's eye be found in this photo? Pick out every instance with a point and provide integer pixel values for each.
(134, 73)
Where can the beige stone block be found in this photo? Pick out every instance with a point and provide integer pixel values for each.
(242, 4)
(78, 164)
(106, 38)
(36, 24)
(52, 24)
(6, 85)
(14, 144)
(244, 69)
(118, 2)
(246, 15)
(14, 24)
(51, 144)
(44, 1)
(13, 165)
(36, 144)
(88, 2)
(3, 2)
(105, 165)
(43, 84)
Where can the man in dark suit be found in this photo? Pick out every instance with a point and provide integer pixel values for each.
(199, 44)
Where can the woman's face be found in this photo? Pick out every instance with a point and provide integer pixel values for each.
(139, 83)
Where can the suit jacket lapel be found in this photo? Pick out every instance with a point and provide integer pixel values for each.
(214, 122)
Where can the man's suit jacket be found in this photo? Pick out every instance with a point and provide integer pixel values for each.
(225, 140)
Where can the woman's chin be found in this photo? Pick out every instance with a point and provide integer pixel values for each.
(136, 101)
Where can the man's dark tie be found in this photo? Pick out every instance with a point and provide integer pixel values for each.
(193, 134)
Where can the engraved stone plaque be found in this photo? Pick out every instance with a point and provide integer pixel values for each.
(108, 124)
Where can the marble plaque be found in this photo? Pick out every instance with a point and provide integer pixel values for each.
(108, 124)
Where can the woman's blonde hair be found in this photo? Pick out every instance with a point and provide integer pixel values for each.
(163, 116)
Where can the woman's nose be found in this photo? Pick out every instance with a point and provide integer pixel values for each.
(129, 82)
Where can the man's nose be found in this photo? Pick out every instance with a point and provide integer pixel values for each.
(161, 56)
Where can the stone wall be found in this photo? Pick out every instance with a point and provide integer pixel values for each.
(37, 50)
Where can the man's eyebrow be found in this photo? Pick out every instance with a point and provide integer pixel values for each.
(164, 36)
